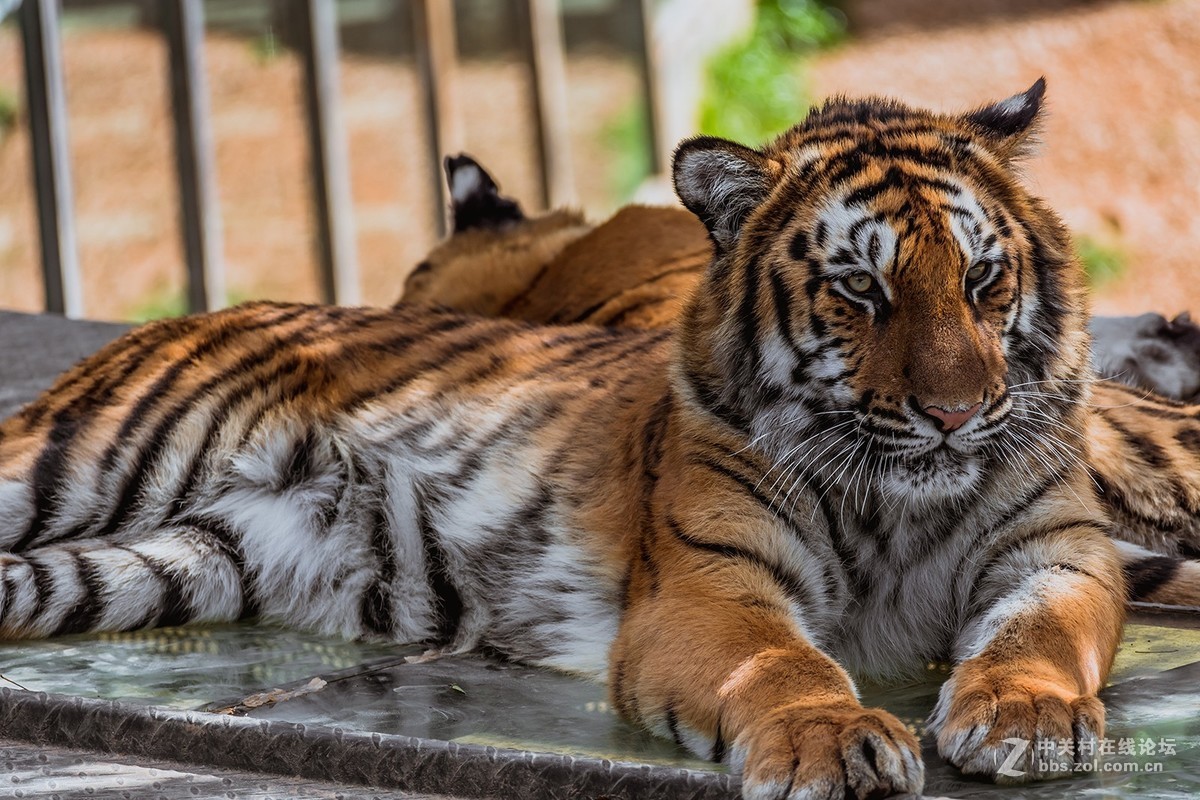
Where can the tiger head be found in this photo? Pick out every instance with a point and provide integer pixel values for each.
(886, 304)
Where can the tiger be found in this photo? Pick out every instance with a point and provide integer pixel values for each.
(825, 472)
(637, 268)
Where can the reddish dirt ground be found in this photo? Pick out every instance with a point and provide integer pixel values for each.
(1120, 160)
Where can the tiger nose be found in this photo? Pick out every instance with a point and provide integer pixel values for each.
(951, 420)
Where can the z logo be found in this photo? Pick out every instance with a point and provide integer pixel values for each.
(1019, 748)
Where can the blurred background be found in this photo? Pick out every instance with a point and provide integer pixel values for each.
(618, 83)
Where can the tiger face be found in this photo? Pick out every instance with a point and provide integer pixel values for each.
(888, 308)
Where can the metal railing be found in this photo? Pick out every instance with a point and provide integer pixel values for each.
(182, 23)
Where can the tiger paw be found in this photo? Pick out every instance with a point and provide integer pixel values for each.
(836, 752)
(1015, 729)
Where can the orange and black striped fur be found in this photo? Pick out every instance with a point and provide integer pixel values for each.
(826, 470)
(637, 268)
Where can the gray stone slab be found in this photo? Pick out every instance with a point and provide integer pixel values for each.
(35, 348)
(57, 773)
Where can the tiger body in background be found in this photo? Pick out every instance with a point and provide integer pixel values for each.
(822, 470)
(638, 268)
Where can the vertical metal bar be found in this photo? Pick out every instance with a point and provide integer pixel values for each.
(433, 28)
(338, 249)
(548, 82)
(648, 72)
(183, 25)
(46, 100)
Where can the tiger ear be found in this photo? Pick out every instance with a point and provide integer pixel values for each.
(1009, 126)
(475, 199)
(720, 182)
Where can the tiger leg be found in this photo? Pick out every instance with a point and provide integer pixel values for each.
(1039, 646)
(724, 669)
(171, 577)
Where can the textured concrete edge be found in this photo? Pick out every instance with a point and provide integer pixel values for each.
(340, 756)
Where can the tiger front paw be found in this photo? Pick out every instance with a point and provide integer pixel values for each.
(846, 751)
(1015, 729)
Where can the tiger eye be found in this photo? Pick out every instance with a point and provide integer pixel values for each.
(860, 283)
(976, 272)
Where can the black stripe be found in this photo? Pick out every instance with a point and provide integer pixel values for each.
(48, 476)
(746, 484)
(841, 546)
(649, 567)
(148, 456)
(627, 703)
(747, 315)
(216, 424)
(1147, 450)
(377, 612)
(792, 585)
(718, 748)
(299, 467)
(798, 247)
(448, 351)
(10, 589)
(604, 355)
(1146, 406)
(173, 608)
(447, 603)
(1158, 459)
(162, 386)
(618, 320)
(88, 608)
(225, 539)
(783, 302)
(131, 350)
(561, 316)
(43, 583)
(1119, 505)
(673, 725)
(709, 399)
(892, 179)
(1147, 575)
(654, 433)
(1189, 439)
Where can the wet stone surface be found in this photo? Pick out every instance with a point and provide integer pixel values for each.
(378, 689)
(56, 773)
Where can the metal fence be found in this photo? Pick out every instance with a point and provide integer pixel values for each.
(182, 25)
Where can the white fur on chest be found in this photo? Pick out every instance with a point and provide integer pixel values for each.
(909, 608)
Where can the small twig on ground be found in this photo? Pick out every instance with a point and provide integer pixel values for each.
(14, 683)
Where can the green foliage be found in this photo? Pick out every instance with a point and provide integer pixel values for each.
(266, 47)
(159, 305)
(799, 25)
(755, 87)
(1103, 262)
(9, 111)
(624, 137)
(172, 303)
